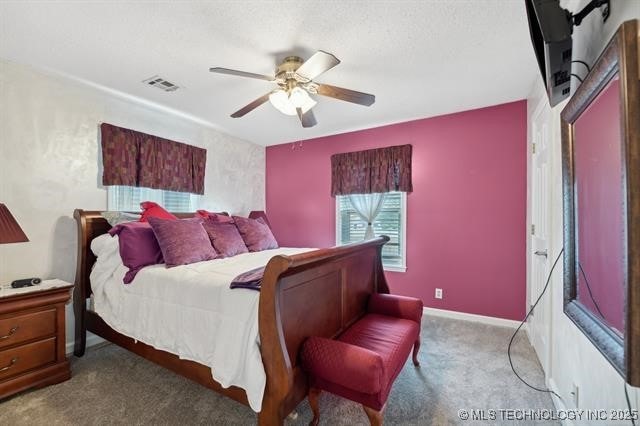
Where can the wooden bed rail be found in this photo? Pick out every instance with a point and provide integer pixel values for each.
(317, 293)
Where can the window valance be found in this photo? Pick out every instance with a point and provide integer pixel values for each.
(372, 171)
(133, 158)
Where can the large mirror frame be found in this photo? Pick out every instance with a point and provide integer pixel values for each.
(619, 57)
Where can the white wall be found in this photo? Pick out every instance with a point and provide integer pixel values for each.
(574, 360)
(49, 164)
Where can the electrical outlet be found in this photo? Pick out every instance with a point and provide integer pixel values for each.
(438, 293)
(575, 395)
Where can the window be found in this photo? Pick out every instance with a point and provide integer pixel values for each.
(391, 221)
(128, 198)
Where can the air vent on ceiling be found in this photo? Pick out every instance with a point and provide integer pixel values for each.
(161, 83)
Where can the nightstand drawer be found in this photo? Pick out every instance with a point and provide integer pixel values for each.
(23, 327)
(27, 357)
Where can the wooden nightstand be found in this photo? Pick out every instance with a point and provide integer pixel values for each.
(32, 336)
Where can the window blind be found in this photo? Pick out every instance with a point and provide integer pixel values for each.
(128, 198)
(388, 222)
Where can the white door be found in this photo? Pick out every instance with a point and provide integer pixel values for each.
(540, 321)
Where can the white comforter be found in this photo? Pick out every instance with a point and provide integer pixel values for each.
(189, 311)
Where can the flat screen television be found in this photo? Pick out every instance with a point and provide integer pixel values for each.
(550, 27)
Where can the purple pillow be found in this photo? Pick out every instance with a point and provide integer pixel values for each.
(182, 241)
(138, 247)
(225, 237)
(256, 233)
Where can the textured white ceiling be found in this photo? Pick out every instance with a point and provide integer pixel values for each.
(420, 58)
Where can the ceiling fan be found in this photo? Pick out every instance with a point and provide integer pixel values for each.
(294, 78)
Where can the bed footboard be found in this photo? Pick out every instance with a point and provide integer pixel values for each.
(319, 293)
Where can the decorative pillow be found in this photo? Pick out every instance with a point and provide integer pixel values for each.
(225, 237)
(256, 233)
(182, 241)
(217, 217)
(115, 218)
(138, 247)
(260, 214)
(151, 209)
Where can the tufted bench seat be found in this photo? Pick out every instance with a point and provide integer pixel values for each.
(363, 362)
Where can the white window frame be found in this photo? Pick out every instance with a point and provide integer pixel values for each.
(403, 233)
(111, 197)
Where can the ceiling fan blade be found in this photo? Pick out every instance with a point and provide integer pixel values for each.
(307, 119)
(347, 95)
(228, 71)
(317, 64)
(250, 107)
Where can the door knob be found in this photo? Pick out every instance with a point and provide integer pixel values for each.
(540, 253)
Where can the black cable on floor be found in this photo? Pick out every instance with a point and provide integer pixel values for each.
(626, 394)
(546, 285)
(577, 77)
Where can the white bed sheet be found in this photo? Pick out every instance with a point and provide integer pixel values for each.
(189, 311)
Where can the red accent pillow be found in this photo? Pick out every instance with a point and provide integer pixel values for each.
(151, 209)
(256, 234)
(216, 217)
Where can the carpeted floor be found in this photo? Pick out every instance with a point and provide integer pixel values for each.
(464, 366)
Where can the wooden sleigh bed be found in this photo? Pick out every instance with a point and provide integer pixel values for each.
(318, 293)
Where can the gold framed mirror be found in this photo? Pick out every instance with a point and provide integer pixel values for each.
(601, 194)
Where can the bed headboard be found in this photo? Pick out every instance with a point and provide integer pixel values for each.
(90, 225)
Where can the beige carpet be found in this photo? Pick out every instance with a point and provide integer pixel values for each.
(464, 366)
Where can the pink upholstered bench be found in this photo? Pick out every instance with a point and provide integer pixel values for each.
(363, 362)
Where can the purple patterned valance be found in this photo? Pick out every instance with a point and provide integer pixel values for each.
(372, 171)
(136, 159)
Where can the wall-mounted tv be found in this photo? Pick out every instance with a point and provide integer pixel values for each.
(550, 27)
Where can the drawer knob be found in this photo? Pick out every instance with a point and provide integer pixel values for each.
(11, 333)
(11, 364)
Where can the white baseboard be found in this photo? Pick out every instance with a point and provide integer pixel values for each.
(557, 403)
(92, 340)
(500, 322)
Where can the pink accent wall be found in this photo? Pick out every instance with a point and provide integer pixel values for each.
(466, 218)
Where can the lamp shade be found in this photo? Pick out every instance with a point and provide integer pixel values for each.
(10, 231)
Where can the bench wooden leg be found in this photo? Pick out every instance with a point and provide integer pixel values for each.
(313, 396)
(375, 417)
(416, 348)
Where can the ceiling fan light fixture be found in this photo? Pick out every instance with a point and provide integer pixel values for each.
(280, 100)
(288, 103)
(300, 98)
(295, 79)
